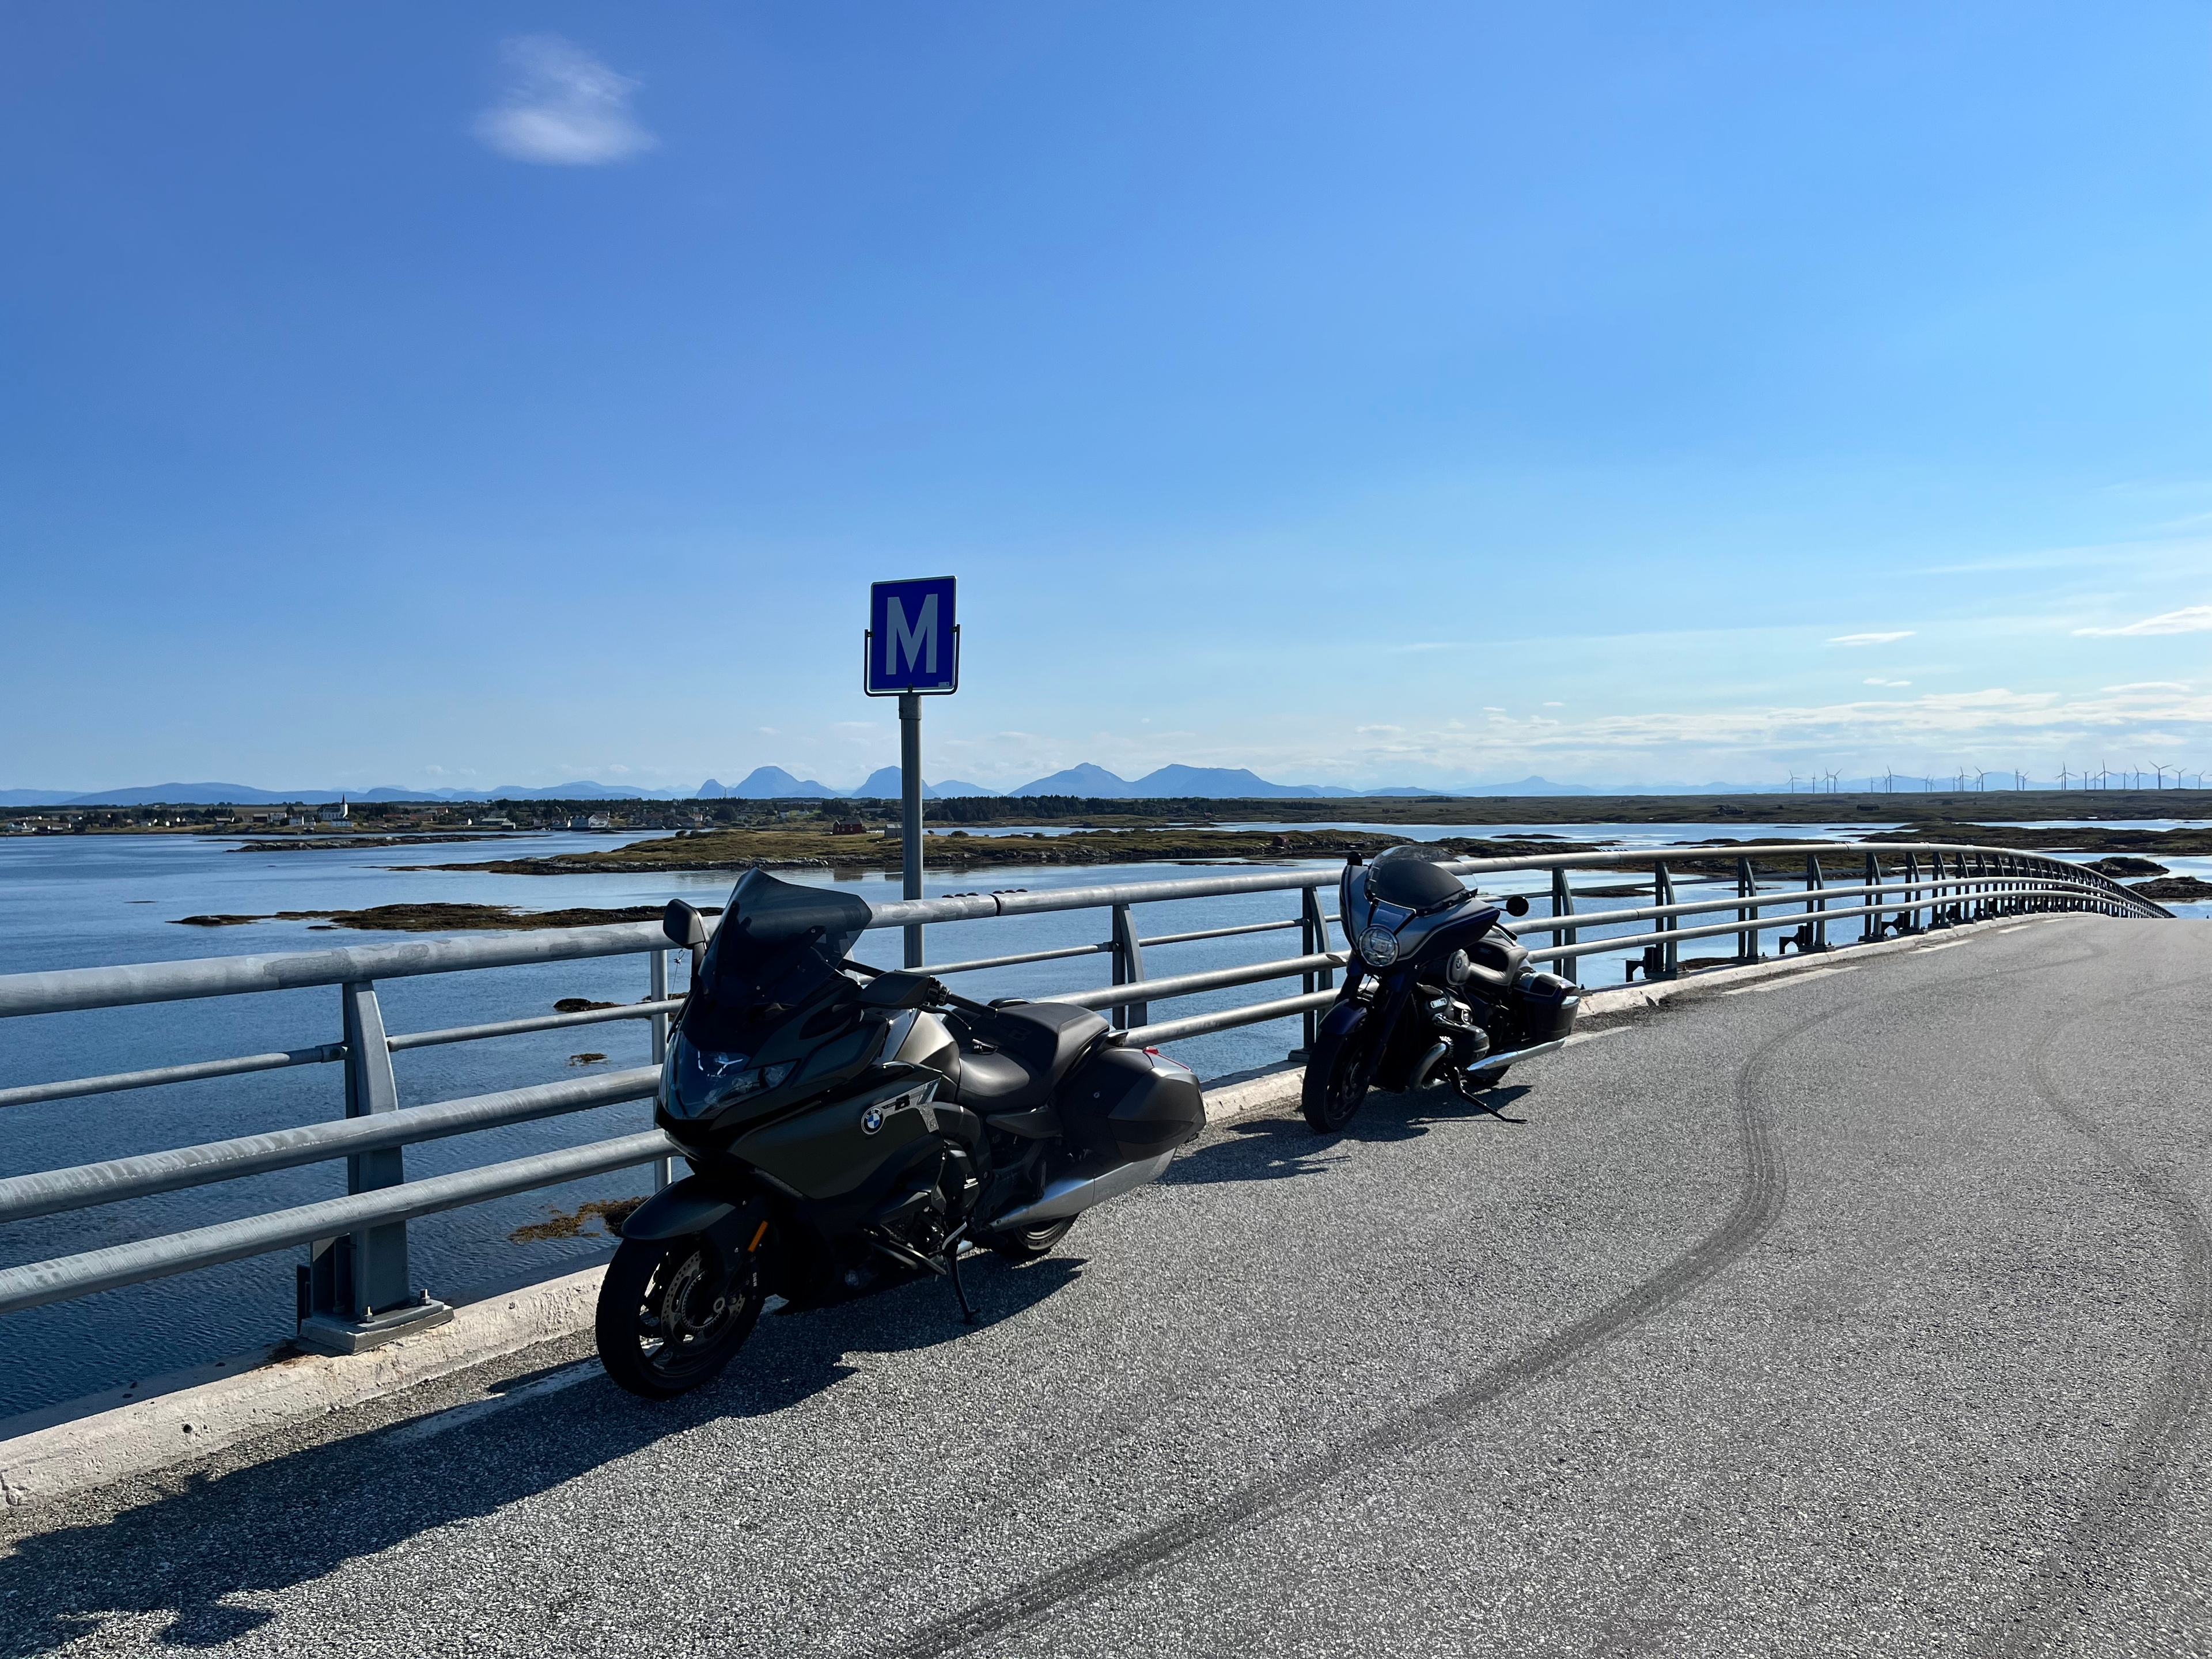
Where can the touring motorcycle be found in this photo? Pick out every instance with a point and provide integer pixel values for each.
(845, 1126)
(1438, 991)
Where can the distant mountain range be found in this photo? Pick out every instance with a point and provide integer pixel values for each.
(244, 794)
(774, 783)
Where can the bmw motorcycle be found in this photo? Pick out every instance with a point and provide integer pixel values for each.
(846, 1127)
(1438, 992)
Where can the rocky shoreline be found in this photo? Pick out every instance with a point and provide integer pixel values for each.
(809, 849)
(438, 918)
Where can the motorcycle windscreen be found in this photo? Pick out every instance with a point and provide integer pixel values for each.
(777, 949)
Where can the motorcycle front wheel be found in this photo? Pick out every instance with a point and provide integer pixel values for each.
(667, 1322)
(1339, 1072)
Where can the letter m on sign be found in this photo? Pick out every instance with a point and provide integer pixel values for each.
(912, 642)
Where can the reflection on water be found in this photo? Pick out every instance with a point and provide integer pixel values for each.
(69, 902)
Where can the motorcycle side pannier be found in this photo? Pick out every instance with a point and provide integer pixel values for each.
(1125, 1106)
(1546, 1005)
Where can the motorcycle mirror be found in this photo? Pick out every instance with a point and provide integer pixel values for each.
(683, 925)
(1516, 906)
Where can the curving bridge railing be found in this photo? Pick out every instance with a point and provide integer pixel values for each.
(354, 1287)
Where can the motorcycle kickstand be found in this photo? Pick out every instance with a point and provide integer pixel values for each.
(1459, 1086)
(967, 1314)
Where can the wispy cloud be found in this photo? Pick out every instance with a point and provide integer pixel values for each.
(565, 108)
(1889, 682)
(1870, 639)
(2190, 619)
(2151, 685)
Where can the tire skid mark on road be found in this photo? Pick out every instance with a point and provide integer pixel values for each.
(2068, 1581)
(1758, 1206)
(1633, 1632)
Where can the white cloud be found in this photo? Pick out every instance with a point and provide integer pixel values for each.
(2190, 619)
(1870, 639)
(1889, 682)
(565, 108)
(2151, 685)
(1555, 705)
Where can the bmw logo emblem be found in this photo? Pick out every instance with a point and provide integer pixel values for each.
(872, 1119)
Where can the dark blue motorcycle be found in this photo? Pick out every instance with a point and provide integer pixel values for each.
(1438, 992)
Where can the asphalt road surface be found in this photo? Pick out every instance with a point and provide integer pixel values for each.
(1862, 1312)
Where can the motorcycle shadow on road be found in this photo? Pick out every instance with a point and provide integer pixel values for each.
(1283, 1148)
(197, 1565)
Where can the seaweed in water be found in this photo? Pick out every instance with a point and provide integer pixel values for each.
(609, 1212)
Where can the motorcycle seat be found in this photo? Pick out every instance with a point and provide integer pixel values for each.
(995, 1082)
(1498, 959)
(1036, 1044)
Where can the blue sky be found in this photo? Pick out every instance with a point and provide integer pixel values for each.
(1365, 395)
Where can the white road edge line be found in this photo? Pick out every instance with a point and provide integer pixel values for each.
(1793, 979)
(1592, 1037)
(455, 1416)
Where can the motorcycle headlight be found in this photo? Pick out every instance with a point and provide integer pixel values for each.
(704, 1080)
(1379, 947)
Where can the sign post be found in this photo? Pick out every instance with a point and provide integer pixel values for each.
(912, 652)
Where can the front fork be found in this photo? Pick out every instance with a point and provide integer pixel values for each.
(1392, 993)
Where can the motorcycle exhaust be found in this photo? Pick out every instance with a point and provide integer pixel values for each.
(1435, 1057)
(1513, 1055)
(1073, 1194)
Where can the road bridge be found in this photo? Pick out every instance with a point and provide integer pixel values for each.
(1864, 1309)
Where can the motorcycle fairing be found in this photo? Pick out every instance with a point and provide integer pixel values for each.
(833, 1149)
(1418, 932)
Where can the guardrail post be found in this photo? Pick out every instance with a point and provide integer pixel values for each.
(1818, 907)
(1870, 929)
(663, 1169)
(1313, 930)
(1909, 918)
(1747, 886)
(1937, 917)
(1662, 894)
(359, 1291)
(1562, 904)
(1129, 969)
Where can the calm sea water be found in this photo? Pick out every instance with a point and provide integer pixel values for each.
(69, 902)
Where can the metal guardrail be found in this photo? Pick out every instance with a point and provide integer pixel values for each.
(356, 1276)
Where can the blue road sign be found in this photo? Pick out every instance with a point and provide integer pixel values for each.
(912, 642)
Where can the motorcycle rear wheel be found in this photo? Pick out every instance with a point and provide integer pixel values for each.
(1339, 1073)
(664, 1325)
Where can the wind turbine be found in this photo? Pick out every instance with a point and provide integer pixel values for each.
(1832, 784)
(2163, 769)
(2063, 775)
